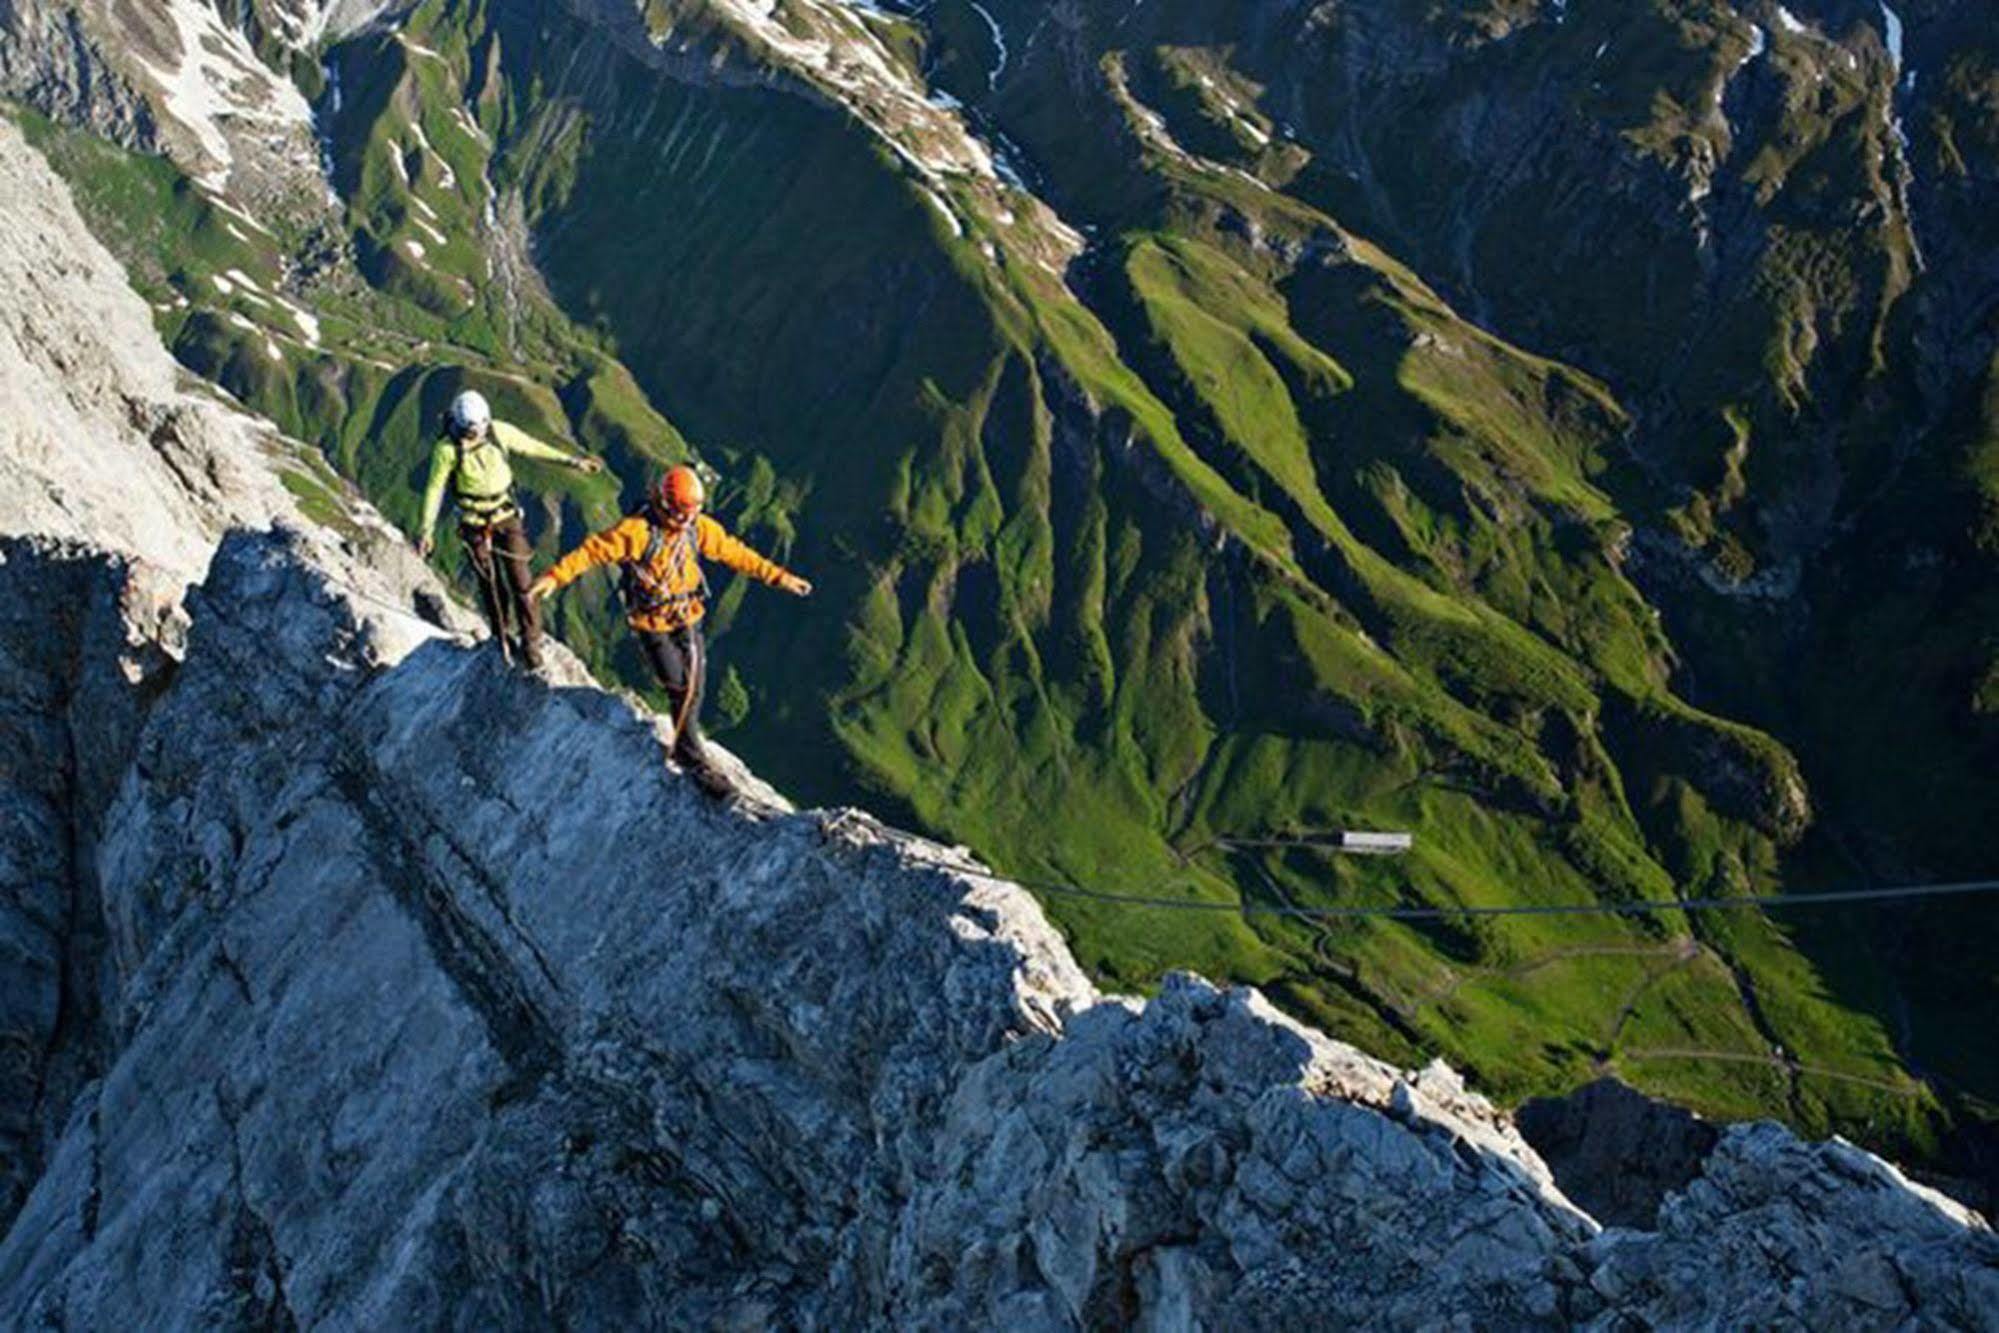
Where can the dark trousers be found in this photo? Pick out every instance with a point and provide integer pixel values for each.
(679, 658)
(503, 565)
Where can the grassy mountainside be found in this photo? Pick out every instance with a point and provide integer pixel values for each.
(1409, 421)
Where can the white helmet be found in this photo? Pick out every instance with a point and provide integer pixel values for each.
(468, 412)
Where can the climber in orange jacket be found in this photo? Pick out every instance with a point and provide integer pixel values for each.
(660, 551)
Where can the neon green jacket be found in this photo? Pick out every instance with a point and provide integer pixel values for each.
(484, 481)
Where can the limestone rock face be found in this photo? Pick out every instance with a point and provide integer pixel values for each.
(52, 58)
(362, 982)
(1780, 1232)
(100, 443)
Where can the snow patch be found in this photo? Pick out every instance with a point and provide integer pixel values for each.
(321, 19)
(1788, 21)
(834, 46)
(446, 176)
(334, 100)
(242, 279)
(415, 248)
(307, 322)
(1258, 182)
(465, 122)
(950, 218)
(1898, 136)
(219, 78)
(999, 44)
(419, 49)
(1891, 29)
(233, 211)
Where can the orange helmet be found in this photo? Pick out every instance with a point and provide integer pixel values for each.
(679, 492)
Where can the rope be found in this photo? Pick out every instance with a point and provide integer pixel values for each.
(1880, 894)
(355, 592)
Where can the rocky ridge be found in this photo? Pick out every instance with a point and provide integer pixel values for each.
(365, 983)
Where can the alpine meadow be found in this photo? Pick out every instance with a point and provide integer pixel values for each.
(1566, 431)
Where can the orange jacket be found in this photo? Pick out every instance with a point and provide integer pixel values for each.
(674, 570)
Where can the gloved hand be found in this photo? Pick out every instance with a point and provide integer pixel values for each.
(542, 587)
(424, 546)
(587, 465)
(795, 585)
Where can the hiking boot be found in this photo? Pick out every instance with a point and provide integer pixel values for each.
(712, 781)
(530, 654)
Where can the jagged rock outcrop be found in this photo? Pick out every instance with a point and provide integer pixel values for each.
(85, 645)
(80, 363)
(119, 478)
(50, 59)
(437, 994)
(428, 994)
(1617, 1152)
(188, 77)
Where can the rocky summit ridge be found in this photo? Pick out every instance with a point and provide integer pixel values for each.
(353, 980)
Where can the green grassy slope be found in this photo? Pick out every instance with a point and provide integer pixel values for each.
(1243, 531)
(1710, 215)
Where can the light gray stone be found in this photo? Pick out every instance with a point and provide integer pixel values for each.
(430, 994)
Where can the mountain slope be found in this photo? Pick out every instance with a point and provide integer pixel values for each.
(1172, 431)
(412, 1008)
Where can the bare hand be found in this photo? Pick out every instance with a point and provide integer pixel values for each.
(588, 466)
(542, 588)
(795, 585)
(424, 546)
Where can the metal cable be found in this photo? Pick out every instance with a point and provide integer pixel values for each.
(1636, 908)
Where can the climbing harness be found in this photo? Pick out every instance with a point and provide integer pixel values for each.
(648, 594)
(474, 508)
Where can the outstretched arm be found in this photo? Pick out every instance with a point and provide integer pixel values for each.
(717, 544)
(625, 541)
(443, 459)
(517, 441)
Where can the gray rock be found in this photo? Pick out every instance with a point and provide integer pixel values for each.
(85, 645)
(51, 60)
(427, 993)
(1776, 1231)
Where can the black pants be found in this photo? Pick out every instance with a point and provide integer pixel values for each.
(679, 658)
(503, 566)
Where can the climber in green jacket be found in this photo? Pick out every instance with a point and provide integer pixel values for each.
(471, 458)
